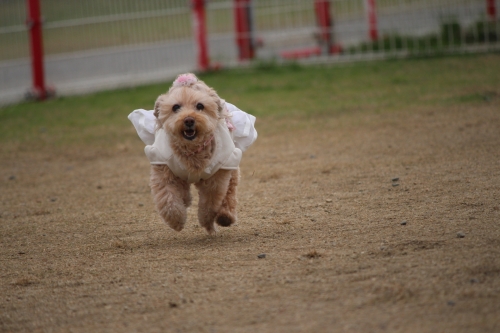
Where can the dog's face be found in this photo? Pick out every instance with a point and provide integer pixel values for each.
(189, 113)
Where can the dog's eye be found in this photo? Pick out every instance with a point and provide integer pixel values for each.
(176, 107)
(200, 106)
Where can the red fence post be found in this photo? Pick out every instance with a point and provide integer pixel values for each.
(372, 19)
(324, 36)
(491, 8)
(200, 31)
(34, 23)
(244, 29)
(324, 21)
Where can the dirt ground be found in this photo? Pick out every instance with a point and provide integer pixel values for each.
(365, 222)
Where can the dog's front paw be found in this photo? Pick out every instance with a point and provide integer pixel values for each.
(225, 219)
(177, 226)
(175, 218)
(211, 230)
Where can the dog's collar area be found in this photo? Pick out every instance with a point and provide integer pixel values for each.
(201, 148)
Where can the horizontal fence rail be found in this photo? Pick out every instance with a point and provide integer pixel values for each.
(93, 45)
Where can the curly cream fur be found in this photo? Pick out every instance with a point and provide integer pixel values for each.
(217, 195)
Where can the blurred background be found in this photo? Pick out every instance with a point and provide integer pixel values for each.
(94, 45)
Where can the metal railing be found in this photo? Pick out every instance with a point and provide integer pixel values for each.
(93, 45)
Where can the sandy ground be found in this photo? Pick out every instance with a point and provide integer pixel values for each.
(368, 223)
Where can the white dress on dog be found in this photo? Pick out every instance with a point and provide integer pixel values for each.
(244, 133)
(226, 156)
(227, 153)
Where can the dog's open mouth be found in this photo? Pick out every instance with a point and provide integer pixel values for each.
(189, 134)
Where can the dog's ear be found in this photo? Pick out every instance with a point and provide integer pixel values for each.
(220, 105)
(157, 106)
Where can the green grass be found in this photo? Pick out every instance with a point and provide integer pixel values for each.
(376, 87)
(451, 35)
(267, 91)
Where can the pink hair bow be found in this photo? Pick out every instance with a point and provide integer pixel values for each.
(187, 79)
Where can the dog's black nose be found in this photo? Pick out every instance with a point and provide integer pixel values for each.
(189, 122)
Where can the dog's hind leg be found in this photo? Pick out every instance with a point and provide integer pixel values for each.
(171, 196)
(227, 212)
(212, 194)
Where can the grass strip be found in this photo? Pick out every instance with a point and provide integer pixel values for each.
(267, 90)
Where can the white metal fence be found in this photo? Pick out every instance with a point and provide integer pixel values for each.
(404, 27)
(92, 45)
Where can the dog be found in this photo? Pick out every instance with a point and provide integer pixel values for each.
(193, 144)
